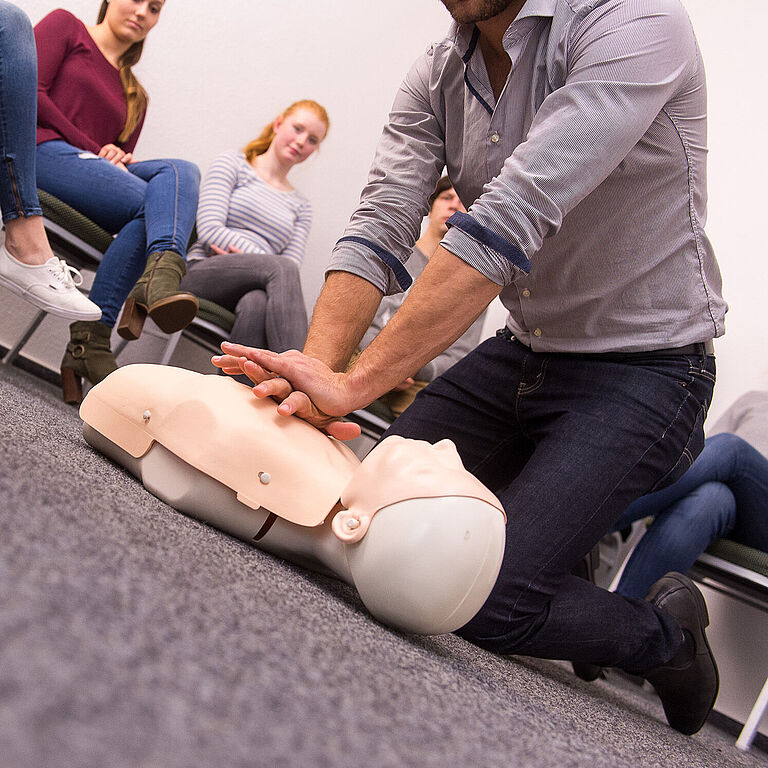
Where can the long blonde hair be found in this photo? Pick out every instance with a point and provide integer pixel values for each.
(135, 96)
(261, 143)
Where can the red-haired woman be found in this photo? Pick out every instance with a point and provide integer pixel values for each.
(253, 227)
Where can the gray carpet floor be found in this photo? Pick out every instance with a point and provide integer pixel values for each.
(131, 636)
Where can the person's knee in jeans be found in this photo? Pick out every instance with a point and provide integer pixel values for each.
(250, 313)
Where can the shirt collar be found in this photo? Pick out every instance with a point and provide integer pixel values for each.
(462, 34)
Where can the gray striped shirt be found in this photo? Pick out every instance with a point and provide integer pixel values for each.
(585, 182)
(237, 208)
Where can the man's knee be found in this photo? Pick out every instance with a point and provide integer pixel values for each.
(502, 633)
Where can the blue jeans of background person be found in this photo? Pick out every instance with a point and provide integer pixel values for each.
(724, 494)
(18, 114)
(567, 442)
(151, 208)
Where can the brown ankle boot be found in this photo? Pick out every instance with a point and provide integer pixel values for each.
(88, 356)
(157, 294)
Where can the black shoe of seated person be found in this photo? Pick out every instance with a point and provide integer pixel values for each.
(688, 684)
(585, 569)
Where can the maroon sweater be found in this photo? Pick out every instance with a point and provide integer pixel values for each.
(79, 96)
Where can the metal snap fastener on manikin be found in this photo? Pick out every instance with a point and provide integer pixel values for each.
(495, 138)
(526, 293)
(537, 332)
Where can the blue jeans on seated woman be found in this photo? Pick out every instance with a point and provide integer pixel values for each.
(150, 208)
(18, 114)
(723, 495)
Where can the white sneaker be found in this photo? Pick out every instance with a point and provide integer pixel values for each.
(51, 286)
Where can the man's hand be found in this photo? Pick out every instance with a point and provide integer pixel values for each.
(284, 377)
(403, 385)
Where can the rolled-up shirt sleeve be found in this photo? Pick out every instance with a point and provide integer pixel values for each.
(625, 61)
(407, 165)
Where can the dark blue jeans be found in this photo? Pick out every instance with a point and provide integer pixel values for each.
(152, 208)
(724, 494)
(18, 114)
(567, 442)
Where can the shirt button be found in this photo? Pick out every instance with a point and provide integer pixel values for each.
(526, 293)
(495, 138)
(537, 332)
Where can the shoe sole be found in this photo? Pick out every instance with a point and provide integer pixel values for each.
(51, 309)
(174, 313)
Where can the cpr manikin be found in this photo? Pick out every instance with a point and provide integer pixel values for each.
(418, 536)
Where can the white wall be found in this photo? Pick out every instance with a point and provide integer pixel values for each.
(216, 76)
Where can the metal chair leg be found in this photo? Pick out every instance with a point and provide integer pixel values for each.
(170, 347)
(747, 735)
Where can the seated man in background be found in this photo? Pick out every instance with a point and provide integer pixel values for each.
(443, 203)
(723, 495)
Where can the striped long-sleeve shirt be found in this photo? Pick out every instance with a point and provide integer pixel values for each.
(238, 209)
(585, 181)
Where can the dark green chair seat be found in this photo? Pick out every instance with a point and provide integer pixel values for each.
(741, 572)
(741, 555)
(216, 314)
(66, 217)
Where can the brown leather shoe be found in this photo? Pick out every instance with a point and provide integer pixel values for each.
(688, 684)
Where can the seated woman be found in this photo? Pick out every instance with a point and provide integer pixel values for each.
(253, 228)
(443, 203)
(91, 109)
(723, 495)
(28, 266)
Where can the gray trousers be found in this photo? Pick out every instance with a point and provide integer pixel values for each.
(264, 292)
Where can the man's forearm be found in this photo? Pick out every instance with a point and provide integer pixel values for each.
(442, 304)
(343, 312)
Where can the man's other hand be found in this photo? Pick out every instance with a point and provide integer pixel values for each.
(303, 386)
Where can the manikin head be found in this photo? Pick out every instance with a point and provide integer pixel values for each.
(398, 470)
(424, 538)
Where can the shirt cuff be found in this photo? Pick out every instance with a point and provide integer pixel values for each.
(366, 259)
(489, 253)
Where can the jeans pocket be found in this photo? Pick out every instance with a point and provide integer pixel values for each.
(692, 448)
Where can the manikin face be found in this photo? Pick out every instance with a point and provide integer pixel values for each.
(472, 11)
(297, 135)
(446, 204)
(397, 470)
(131, 20)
